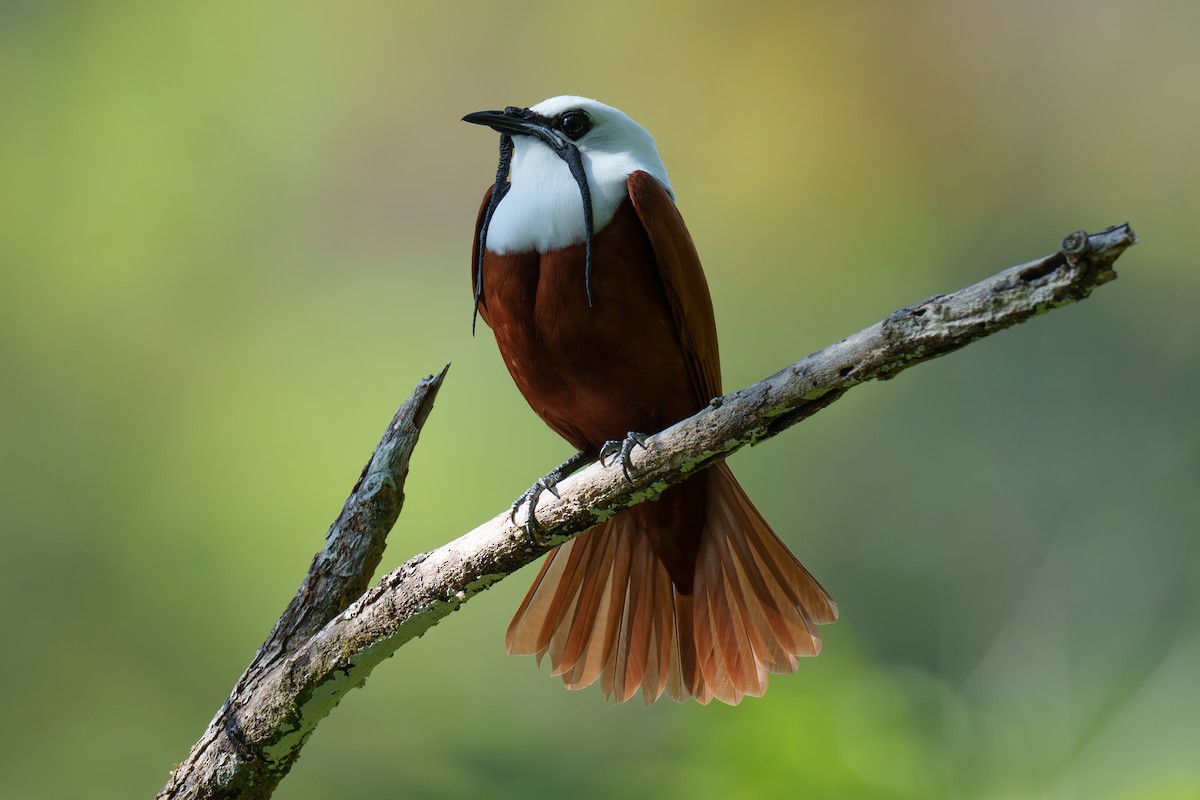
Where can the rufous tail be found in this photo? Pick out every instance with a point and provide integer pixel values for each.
(604, 607)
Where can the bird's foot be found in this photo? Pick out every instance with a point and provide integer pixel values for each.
(623, 450)
(546, 483)
(529, 498)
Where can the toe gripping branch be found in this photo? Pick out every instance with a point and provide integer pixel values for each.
(547, 483)
(623, 451)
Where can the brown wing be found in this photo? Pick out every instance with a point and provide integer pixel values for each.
(475, 253)
(683, 278)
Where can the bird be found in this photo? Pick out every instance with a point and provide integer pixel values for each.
(588, 277)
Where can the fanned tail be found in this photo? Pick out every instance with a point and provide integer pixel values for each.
(604, 607)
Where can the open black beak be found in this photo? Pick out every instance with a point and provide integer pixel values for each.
(520, 122)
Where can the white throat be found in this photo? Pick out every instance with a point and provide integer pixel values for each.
(543, 209)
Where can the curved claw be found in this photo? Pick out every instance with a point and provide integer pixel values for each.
(529, 498)
(623, 450)
(546, 483)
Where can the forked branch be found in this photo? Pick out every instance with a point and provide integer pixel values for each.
(323, 647)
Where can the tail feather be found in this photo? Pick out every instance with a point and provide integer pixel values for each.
(629, 663)
(587, 638)
(767, 632)
(534, 624)
(592, 643)
(667, 674)
(727, 660)
(638, 659)
(604, 607)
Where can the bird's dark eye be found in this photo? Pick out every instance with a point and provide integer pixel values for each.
(575, 124)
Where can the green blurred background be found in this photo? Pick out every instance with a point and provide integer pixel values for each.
(234, 235)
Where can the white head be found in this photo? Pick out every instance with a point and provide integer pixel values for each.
(543, 209)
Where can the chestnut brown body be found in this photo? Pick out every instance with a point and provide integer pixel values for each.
(692, 594)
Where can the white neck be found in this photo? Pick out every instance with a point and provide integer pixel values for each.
(543, 209)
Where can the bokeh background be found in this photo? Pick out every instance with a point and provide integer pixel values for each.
(234, 235)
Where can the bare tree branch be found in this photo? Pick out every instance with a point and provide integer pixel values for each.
(301, 673)
(225, 762)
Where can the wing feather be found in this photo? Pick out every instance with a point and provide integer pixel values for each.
(487, 196)
(683, 278)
